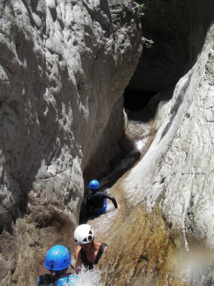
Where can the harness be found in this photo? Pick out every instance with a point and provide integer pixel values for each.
(88, 264)
(102, 210)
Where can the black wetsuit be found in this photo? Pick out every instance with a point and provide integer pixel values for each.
(88, 264)
(49, 280)
(95, 200)
(46, 280)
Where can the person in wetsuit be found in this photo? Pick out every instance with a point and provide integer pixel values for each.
(57, 261)
(88, 251)
(97, 200)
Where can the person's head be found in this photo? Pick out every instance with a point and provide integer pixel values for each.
(94, 185)
(84, 235)
(57, 260)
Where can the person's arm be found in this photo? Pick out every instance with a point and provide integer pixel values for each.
(113, 200)
(78, 262)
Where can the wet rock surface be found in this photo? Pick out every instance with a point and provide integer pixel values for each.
(164, 234)
(140, 253)
(177, 172)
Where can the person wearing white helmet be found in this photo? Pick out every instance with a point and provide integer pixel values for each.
(88, 251)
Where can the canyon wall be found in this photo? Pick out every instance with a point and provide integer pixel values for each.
(63, 68)
(177, 29)
(164, 231)
(176, 173)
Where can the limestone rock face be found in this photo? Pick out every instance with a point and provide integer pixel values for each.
(177, 171)
(63, 68)
(163, 233)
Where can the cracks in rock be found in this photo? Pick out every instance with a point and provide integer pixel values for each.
(142, 258)
(97, 16)
(176, 106)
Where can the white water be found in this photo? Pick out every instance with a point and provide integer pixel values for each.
(89, 278)
(139, 132)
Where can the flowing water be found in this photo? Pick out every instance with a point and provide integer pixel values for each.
(141, 251)
(90, 278)
(140, 133)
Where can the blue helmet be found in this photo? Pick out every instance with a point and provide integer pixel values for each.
(94, 185)
(57, 258)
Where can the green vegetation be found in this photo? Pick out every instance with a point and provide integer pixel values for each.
(140, 8)
(147, 43)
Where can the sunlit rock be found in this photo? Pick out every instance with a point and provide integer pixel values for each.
(177, 170)
(162, 234)
(64, 66)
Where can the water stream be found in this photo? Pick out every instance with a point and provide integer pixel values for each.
(153, 257)
(140, 133)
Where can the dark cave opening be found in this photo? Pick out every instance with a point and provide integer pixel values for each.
(136, 99)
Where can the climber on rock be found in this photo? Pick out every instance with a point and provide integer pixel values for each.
(97, 200)
(57, 261)
(89, 251)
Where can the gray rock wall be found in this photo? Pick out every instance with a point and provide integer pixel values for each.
(177, 29)
(177, 171)
(63, 67)
(163, 232)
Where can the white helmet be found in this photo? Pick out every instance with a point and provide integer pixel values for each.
(84, 234)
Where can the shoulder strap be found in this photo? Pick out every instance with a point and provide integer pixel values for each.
(100, 252)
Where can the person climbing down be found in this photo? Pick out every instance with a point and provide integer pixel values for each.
(97, 200)
(89, 251)
(57, 261)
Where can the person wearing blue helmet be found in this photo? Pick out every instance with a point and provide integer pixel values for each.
(57, 261)
(97, 200)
